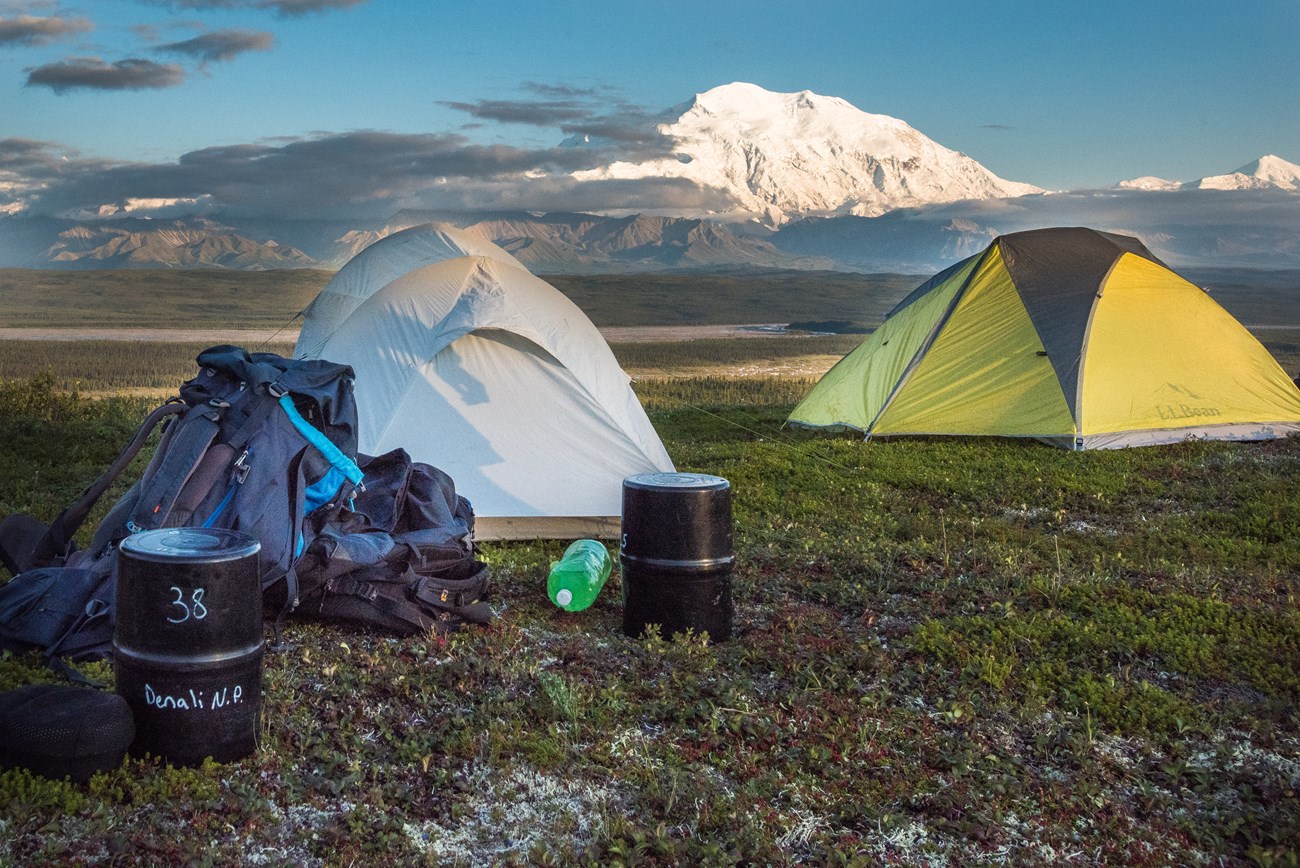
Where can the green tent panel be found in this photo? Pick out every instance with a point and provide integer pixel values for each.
(858, 386)
(1075, 337)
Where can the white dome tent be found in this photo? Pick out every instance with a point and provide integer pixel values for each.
(386, 259)
(493, 375)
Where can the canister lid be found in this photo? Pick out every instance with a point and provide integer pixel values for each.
(188, 544)
(676, 481)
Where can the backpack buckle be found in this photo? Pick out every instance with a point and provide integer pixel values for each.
(352, 588)
(241, 467)
(425, 591)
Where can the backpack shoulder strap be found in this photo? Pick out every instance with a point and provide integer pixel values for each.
(189, 443)
(55, 545)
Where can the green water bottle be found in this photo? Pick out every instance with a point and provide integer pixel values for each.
(578, 576)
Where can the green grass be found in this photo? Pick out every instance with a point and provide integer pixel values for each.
(945, 652)
(109, 365)
(1284, 344)
(221, 298)
(217, 298)
(706, 395)
(166, 299)
(757, 297)
(728, 352)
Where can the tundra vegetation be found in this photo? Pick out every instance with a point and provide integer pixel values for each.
(945, 652)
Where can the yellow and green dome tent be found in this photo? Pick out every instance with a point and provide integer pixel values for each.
(1079, 338)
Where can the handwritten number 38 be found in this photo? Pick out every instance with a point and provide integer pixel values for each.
(194, 609)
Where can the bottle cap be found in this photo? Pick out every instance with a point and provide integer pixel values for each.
(563, 597)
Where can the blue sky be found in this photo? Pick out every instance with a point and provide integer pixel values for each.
(1060, 95)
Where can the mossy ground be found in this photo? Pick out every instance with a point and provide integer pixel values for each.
(945, 652)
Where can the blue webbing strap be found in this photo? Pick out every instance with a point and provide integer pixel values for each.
(332, 453)
(341, 465)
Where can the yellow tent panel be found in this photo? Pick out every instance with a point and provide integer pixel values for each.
(1161, 353)
(985, 373)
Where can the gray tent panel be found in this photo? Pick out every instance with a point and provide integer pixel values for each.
(1059, 274)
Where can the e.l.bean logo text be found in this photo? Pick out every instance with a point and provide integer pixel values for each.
(1181, 409)
(1185, 411)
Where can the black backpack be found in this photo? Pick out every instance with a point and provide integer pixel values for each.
(400, 558)
(267, 446)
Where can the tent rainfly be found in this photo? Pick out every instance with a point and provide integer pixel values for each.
(1079, 338)
(481, 369)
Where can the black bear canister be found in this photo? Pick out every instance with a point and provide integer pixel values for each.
(676, 554)
(188, 642)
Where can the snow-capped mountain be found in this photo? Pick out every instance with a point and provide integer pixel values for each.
(1149, 182)
(1267, 171)
(830, 186)
(779, 156)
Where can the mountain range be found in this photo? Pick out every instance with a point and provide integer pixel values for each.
(1267, 173)
(797, 180)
